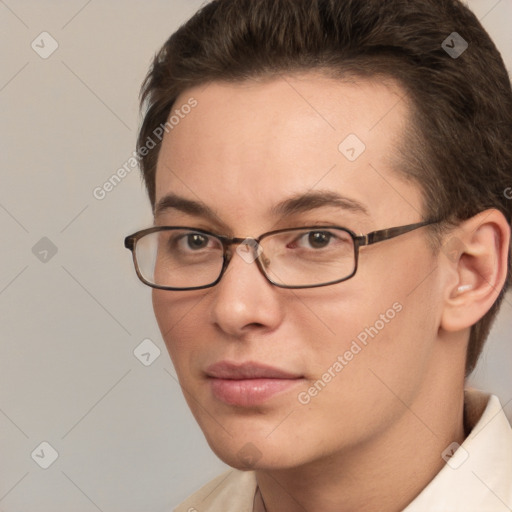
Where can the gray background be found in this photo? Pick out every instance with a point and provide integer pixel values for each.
(71, 322)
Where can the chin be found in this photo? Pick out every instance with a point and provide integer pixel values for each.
(254, 453)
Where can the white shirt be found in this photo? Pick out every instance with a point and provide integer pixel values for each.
(477, 478)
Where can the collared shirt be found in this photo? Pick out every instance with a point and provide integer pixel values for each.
(477, 477)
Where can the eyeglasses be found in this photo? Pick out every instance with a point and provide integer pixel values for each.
(184, 258)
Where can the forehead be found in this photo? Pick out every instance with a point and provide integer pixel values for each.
(248, 145)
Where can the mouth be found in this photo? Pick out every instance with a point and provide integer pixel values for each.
(248, 384)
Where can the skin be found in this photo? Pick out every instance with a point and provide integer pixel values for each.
(373, 437)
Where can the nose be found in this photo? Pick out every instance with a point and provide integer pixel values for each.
(244, 301)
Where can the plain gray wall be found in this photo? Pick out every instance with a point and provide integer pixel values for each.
(70, 323)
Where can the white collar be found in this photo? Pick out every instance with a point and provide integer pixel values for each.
(478, 477)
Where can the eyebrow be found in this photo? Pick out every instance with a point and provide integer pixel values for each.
(195, 208)
(312, 200)
(299, 203)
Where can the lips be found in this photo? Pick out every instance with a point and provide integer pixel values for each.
(248, 384)
(250, 370)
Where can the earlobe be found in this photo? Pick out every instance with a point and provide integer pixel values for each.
(476, 271)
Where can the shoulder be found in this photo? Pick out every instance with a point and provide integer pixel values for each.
(232, 491)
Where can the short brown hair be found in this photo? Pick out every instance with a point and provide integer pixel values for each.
(459, 150)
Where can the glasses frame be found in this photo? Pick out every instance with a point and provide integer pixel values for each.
(371, 238)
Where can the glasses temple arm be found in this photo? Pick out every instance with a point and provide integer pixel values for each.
(386, 234)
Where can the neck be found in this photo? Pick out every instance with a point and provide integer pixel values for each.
(384, 474)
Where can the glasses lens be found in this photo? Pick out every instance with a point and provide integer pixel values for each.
(306, 257)
(179, 258)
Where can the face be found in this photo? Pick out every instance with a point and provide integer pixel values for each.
(278, 378)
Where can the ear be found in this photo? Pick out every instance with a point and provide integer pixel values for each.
(475, 259)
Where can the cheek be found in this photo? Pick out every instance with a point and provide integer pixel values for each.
(360, 377)
(342, 315)
(165, 314)
(179, 319)
(378, 324)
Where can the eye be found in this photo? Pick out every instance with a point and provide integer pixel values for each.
(315, 239)
(320, 241)
(190, 241)
(196, 241)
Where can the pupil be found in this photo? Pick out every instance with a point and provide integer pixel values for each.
(196, 241)
(319, 239)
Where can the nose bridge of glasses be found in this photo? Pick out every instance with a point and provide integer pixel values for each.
(248, 240)
(248, 248)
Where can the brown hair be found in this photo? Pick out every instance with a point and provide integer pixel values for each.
(459, 149)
